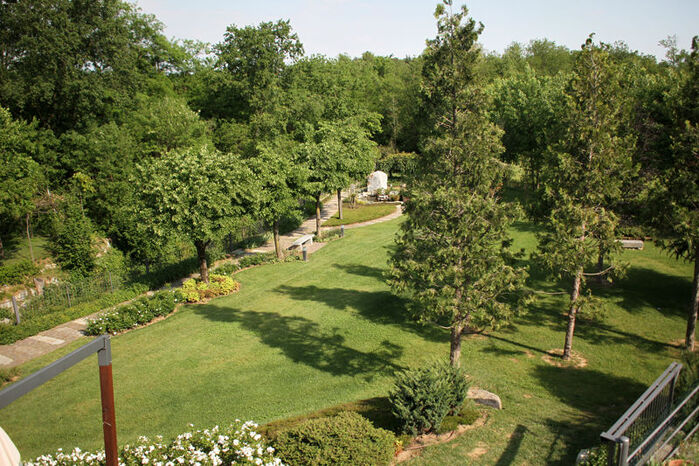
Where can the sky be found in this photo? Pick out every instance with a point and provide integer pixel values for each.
(400, 27)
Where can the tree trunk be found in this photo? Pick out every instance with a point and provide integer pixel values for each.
(318, 215)
(147, 267)
(29, 240)
(574, 294)
(339, 203)
(2, 249)
(455, 350)
(694, 307)
(277, 249)
(201, 254)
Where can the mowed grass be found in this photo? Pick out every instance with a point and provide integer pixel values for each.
(17, 249)
(300, 337)
(361, 213)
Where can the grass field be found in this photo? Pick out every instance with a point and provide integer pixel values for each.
(361, 213)
(17, 248)
(300, 337)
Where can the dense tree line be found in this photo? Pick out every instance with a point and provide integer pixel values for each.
(108, 128)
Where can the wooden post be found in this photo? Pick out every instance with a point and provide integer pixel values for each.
(68, 295)
(108, 411)
(15, 307)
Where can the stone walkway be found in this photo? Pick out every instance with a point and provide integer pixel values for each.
(47, 341)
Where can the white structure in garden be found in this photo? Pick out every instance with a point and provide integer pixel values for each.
(377, 180)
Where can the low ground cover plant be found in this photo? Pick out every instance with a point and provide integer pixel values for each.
(134, 314)
(14, 274)
(194, 291)
(238, 443)
(327, 235)
(423, 397)
(347, 438)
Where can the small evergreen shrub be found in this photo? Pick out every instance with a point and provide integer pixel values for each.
(421, 398)
(347, 438)
(134, 314)
(194, 291)
(15, 274)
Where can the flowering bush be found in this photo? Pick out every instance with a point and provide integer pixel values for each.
(139, 312)
(194, 291)
(236, 444)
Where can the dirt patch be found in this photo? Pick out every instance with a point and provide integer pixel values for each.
(427, 440)
(553, 357)
(527, 396)
(480, 450)
(529, 354)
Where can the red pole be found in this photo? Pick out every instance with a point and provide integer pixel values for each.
(108, 415)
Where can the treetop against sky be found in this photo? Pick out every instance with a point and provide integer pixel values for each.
(400, 27)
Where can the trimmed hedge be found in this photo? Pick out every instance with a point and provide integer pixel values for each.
(31, 326)
(347, 438)
(421, 398)
(134, 314)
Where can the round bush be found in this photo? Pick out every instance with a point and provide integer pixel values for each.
(347, 438)
(421, 398)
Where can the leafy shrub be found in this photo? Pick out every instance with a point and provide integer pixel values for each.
(347, 438)
(327, 235)
(138, 312)
(236, 444)
(194, 291)
(16, 273)
(256, 259)
(227, 269)
(421, 398)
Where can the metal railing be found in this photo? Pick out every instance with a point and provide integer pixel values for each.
(100, 345)
(646, 429)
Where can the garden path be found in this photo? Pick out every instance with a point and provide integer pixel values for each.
(45, 342)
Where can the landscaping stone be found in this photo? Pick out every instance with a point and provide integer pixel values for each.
(484, 397)
(377, 180)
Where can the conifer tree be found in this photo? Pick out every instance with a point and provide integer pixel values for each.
(452, 257)
(590, 164)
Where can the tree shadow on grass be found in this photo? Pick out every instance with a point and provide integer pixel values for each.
(508, 456)
(599, 400)
(361, 270)
(306, 342)
(644, 287)
(381, 307)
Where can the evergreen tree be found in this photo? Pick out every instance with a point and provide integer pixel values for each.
(452, 257)
(589, 167)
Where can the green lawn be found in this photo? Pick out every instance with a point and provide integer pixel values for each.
(17, 248)
(300, 337)
(361, 213)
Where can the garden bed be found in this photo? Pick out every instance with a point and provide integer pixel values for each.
(361, 213)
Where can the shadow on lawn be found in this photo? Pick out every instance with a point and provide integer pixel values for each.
(381, 307)
(304, 341)
(598, 397)
(362, 270)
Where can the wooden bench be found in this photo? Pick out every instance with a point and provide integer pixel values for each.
(301, 241)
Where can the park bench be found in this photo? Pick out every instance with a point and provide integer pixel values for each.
(301, 241)
(631, 243)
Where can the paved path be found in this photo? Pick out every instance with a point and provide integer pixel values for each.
(47, 341)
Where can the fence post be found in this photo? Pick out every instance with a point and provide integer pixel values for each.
(104, 359)
(68, 294)
(15, 307)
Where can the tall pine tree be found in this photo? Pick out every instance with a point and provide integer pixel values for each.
(589, 166)
(452, 257)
